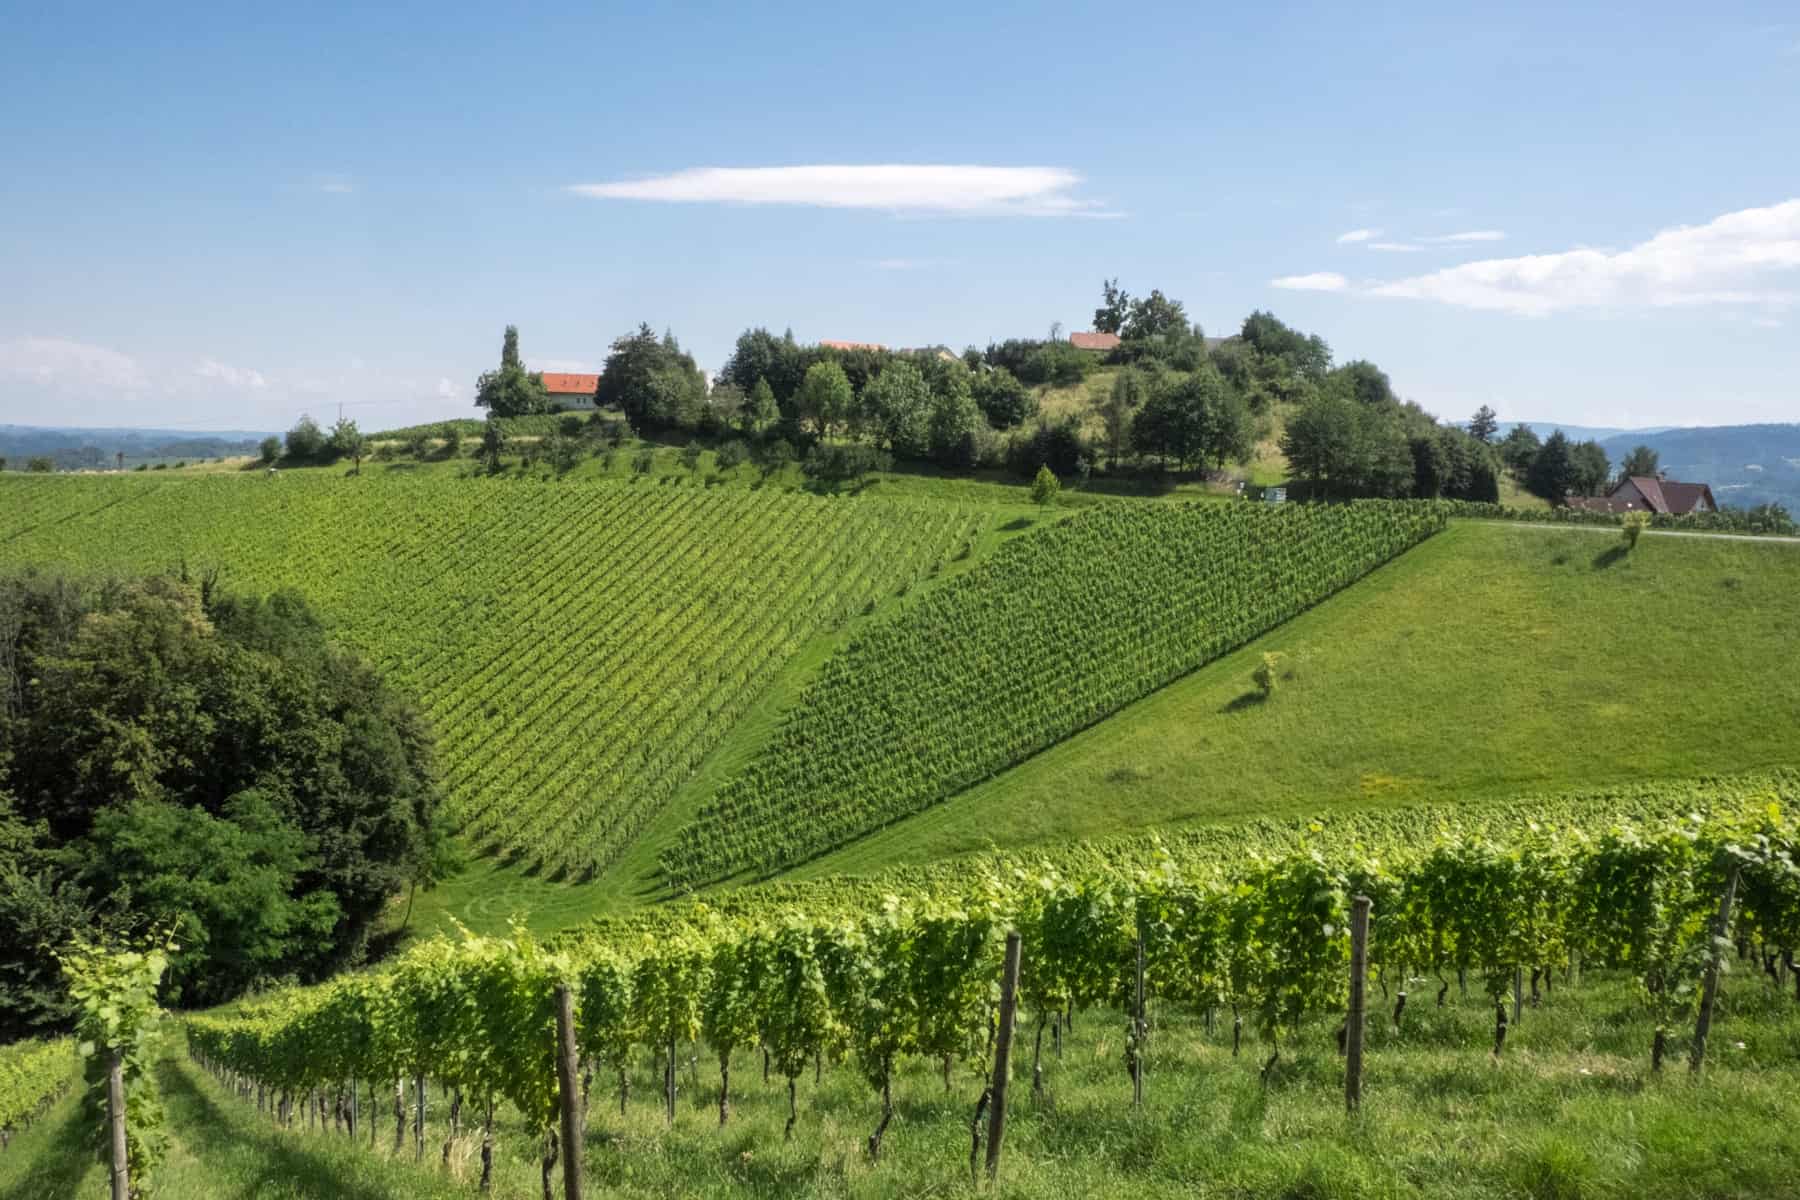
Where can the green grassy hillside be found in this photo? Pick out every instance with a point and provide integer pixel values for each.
(1052, 634)
(580, 648)
(1492, 660)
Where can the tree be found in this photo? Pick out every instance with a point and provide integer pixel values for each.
(1640, 462)
(1484, 424)
(1120, 407)
(1005, 401)
(1364, 383)
(305, 441)
(1153, 316)
(1267, 673)
(207, 756)
(452, 439)
(760, 356)
(1633, 525)
(957, 429)
(731, 455)
(1519, 448)
(690, 456)
(493, 442)
(825, 397)
(1321, 443)
(1306, 356)
(1194, 419)
(40, 464)
(1590, 468)
(1115, 306)
(898, 404)
(269, 450)
(348, 442)
(653, 382)
(1552, 472)
(760, 410)
(511, 391)
(1044, 486)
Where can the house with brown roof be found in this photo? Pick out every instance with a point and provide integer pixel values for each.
(1646, 493)
(1099, 343)
(570, 391)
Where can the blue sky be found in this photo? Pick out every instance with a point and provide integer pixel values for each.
(222, 217)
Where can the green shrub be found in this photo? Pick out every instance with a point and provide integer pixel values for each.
(1045, 486)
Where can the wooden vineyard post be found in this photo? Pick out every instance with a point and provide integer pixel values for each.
(115, 1117)
(567, 1073)
(1009, 1001)
(1137, 1029)
(1359, 976)
(1710, 992)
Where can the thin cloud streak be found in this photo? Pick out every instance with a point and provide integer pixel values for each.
(1395, 247)
(1473, 235)
(958, 190)
(1357, 235)
(1318, 281)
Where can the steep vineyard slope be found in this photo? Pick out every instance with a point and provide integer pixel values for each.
(1053, 633)
(579, 648)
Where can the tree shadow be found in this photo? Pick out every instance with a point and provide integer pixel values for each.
(1251, 699)
(1609, 557)
(288, 1167)
(62, 1161)
(1018, 523)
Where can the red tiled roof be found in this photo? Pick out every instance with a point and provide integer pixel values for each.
(560, 383)
(1094, 341)
(830, 345)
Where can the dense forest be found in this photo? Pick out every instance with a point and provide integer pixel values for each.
(179, 758)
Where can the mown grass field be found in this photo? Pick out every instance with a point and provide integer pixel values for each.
(1570, 1110)
(1491, 660)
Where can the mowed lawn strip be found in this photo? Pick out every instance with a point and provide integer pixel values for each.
(1491, 660)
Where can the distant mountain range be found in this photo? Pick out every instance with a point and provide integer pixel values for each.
(74, 449)
(1746, 465)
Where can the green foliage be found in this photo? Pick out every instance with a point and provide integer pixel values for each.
(348, 442)
(1639, 461)
(32, 1073)
(1003, 399)
(511, 391)
(115, 990)
(1044, 486)
(836, 462)
(205, 760)
(40, 465)
(1268, 673)
(1632, 525)
(269, 450)
(653, 382)
(1484, 424)
(897, 408)
(893, 724)
(305, 441)
(1193, 419)
(825, 397)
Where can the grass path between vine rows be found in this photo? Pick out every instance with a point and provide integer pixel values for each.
(1570, 1111)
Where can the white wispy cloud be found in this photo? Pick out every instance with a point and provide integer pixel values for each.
(64, 362)
(893, 187)
(1318, 281)
(1733, 259)
(230, 376)
(1472, 235)
(445, 389)
(1395, 247)
(333, 184)
(1357, 235)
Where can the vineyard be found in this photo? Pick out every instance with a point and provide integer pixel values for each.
(1256, 950)
(579, 649)
(1053, 633)
(31, 1075)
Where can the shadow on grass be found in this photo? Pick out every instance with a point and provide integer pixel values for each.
(208, 1130)
(1016, 524)
(1253, 699)
(64, 1158)
(1610, 557)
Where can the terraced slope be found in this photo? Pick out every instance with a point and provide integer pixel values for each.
(580, 648)
(1053, 633)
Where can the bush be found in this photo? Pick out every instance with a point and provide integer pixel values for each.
(270, 450)
(690, 456)
(1267, 673)
(569, 427)
(1632, 526)
(39, 465)
(843, 463)
(643, 461)
(1059, 446)
(1045, 486)
(305, 441)
(732, 455)
(452, 441)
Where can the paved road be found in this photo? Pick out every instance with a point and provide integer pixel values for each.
(1613, 530)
